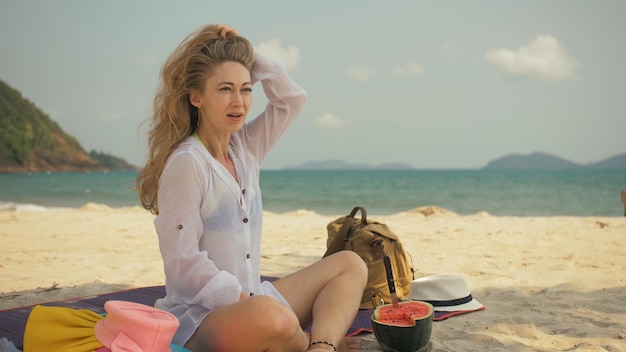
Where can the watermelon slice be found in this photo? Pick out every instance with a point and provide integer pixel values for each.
(406, 328)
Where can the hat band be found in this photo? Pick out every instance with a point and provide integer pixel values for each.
(452, 302)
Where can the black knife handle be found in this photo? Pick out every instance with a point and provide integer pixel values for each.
(390, 280)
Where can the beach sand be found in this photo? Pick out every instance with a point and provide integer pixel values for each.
(548, 283)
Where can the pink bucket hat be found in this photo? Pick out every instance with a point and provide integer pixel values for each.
(134, 327)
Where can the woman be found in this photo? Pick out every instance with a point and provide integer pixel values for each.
(202, 181)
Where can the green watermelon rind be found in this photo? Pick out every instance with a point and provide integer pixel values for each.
(403, 338)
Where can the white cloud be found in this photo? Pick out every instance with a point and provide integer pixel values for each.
(146, 59)
(272, 49)
(543, 59)
(330, 121)
(360, 72)
(112, 116)
(410, 68)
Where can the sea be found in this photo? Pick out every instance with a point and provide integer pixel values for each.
(577, 192)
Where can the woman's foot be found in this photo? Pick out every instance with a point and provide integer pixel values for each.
(350, 344)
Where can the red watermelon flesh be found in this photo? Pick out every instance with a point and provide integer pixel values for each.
(404, 315)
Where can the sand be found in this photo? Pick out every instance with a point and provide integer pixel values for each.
(548, 283)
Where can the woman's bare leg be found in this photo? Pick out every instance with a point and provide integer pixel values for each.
(328, 295)
(258, 323)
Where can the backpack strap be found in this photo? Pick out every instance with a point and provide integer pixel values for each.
(339, 242)
(352, 215)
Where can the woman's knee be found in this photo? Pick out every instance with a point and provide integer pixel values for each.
(276, 319)
(267, 320)
(353, 263)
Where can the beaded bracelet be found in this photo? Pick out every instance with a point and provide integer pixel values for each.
(324, 343)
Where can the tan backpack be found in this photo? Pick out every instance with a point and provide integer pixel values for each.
(372, 240)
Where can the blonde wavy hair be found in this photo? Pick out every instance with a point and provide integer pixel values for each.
(173, 117)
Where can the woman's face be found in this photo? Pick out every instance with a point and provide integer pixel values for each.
(225, 101)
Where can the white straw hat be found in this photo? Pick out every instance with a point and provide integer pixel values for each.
(447, 293)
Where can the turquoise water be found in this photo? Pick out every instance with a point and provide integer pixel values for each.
(69, 189)
(498, 192)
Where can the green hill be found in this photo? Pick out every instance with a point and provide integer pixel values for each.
(32, 142)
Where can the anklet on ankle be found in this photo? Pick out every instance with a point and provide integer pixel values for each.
(324, 343)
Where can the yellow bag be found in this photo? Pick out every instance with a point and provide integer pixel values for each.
(372, 240)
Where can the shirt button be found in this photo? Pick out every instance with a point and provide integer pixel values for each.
(248, 256)
(245, 220)
(251, 294)
(243, 191)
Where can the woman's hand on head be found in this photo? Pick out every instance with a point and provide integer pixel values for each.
(225, 31)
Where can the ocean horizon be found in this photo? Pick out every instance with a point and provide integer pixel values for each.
(381, 192)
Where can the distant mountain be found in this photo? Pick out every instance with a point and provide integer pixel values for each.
(614, 162)
(111, 162)
(540, 161)
(342, 165)
(531, 161)
(546, 161)
(32, 142)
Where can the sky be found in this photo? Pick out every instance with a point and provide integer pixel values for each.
(433, 84)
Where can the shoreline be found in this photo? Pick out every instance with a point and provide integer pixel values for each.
(26, 207)
(548, 283)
